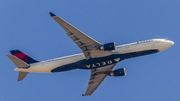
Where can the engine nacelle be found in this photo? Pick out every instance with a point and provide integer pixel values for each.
(118, 72)
(108, 46)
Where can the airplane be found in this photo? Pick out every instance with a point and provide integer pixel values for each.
(99, 58)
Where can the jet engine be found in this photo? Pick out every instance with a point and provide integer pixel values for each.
(118, 72)
(108, 46)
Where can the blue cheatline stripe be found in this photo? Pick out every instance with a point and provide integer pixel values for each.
(100, 62)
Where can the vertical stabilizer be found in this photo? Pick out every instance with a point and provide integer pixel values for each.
(23, 56)
(22, 75)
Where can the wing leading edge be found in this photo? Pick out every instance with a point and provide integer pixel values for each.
(97, 77)
(84, 42)
(87, 44)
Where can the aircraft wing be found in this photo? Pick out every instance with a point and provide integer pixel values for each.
(97, 77)
(84, 42)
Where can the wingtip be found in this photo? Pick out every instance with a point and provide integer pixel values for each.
(52, 14)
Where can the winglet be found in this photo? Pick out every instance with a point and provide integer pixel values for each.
(52, 14)
(85, 95)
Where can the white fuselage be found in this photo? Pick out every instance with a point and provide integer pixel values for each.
(48, 65)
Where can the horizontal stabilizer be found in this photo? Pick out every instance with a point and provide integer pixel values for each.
(22, 75)
(19, 63)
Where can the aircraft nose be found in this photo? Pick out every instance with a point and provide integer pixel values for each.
(171, 42)
(165, 45)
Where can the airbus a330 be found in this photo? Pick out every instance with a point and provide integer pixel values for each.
(99, 58)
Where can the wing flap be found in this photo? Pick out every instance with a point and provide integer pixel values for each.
(73, 32)
(97, 77)
(87, 44)
(93, 84)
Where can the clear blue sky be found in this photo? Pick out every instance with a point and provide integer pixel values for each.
(27, 26)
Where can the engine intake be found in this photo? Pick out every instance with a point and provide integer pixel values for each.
(118, 72)
(108, 46)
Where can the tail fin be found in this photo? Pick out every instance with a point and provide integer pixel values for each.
(23, 56)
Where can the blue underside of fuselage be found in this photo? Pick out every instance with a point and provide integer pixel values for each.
(101, 62)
